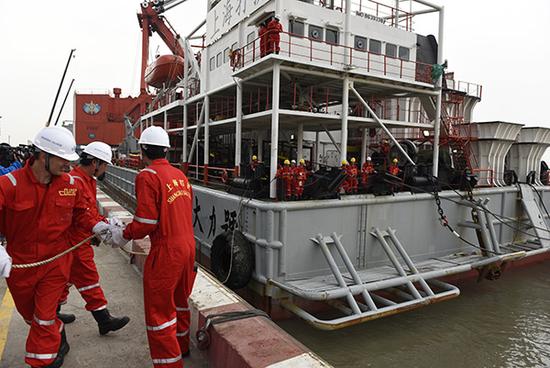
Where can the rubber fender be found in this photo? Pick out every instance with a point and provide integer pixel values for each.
(238, 264)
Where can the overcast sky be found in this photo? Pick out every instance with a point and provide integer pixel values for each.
(503, 45)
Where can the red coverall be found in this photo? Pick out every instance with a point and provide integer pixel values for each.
(164, 212)
(84, 274)
(274, 29)
(262, 33)
(366, 170)
(35, 218)
(352, 176)
(394, 169)
(300, 177)
(286, 175)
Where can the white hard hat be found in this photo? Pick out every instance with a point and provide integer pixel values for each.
(369, 159)
(57, 141)
(100, 151)
(293, 161)
(155, 136)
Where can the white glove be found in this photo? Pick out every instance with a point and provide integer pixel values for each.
(117, 239)
(5, 263)
(103, 231)
(115, 221)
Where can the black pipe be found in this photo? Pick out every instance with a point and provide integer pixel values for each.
(60, 85)
(63, 104)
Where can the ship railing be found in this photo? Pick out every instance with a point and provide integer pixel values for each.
(309, 50)
(208, 174)
(471, 89)
(370, 9)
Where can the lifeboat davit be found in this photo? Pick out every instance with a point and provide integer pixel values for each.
(166, 69)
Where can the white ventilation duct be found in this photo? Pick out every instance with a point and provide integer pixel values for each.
(494, 140)
(526, 155)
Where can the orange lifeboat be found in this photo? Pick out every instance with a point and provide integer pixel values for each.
(166, 69)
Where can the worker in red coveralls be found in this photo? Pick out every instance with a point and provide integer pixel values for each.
(38, 205)
(264, 38)
(366, 170)
(353, 174)
(345, 169)
(274, 29)
(84, 276)
(164, 212)
(394, 168)
(286, 177)
(300, 177)
(254, 163)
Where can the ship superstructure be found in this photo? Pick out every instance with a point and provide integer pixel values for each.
(344, 81)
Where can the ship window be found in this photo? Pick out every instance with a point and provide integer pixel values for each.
(297, 28)
(375, 46)
(316, 33)
(360, 43)
(226, 55)
(250, 40)
(234, 46)
(219, 60)
(331, 36)
(391, 50)
(212, 63)
(404, 53)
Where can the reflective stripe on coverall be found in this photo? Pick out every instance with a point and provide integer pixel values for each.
(35, 218)
(84, 275)
(164, 212)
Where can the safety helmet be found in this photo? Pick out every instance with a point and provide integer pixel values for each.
(352, 160)
(56, 141)
(293, 162)
(99, 150)
(369, 159)
(155, 136)
(277, 16)
(287, 162)
(254, 158)
(302, 161)
(344, 162)
(395, 161)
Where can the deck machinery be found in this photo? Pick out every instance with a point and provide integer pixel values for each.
(350, 77)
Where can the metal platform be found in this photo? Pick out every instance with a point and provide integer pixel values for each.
(382, 291)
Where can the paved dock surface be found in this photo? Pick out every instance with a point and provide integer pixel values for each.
(125, 348)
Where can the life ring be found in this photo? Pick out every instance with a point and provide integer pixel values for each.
(232, 259)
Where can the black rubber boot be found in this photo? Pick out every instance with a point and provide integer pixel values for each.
(63, 350)
(108, 323)
(65, 317)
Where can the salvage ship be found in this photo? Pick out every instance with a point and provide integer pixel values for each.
(396, 192)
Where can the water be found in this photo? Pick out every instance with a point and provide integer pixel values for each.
(504, 323)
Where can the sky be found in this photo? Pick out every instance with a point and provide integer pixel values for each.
(501, 44)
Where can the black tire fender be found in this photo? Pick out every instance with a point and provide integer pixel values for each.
(242, 264)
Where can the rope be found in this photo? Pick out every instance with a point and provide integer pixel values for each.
(50, 260)
(131, 252)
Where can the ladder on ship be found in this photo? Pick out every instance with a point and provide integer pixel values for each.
(373, 293)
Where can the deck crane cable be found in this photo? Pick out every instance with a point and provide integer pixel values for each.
(499, 218)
